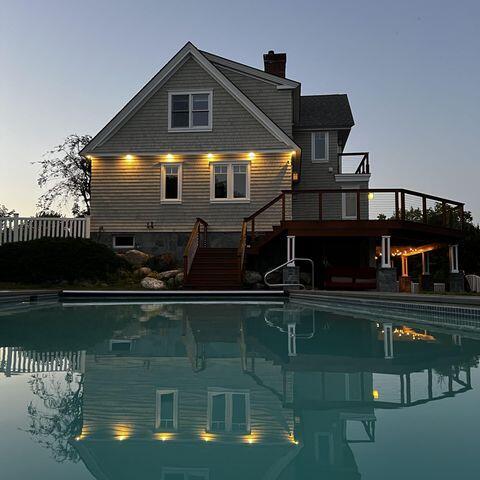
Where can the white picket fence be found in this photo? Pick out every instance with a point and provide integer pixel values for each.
(21, 229)
(474, 282)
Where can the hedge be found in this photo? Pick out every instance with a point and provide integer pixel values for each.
(51, 260)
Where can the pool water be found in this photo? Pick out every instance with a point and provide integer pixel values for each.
(261, 389)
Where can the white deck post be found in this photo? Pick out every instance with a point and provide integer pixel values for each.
(15, 227)
(290, 250)
(453, 256)
(87, 227)
(425, 263)
(386, 263)
(388, 340)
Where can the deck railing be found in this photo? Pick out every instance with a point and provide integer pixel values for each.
(15, 360)
(355, 162)
(198, 238)
(364, 204)
(21, 229)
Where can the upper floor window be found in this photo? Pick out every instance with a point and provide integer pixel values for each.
(319, 147)
(190, 111)
(230, 181)
(171, 187)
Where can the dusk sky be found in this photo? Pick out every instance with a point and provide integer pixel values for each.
(411, 70)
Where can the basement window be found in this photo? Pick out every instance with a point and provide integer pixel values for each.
(123, 241)
(190, 111)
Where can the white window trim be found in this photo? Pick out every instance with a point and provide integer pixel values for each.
(123, 246)
(230, 198)
(191, 128)
(163, 182)
(344, 203)
(228, 409)
(120, 340)
(327, 147)
(158, 407)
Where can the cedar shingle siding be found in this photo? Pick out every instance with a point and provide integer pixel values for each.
(233, 127)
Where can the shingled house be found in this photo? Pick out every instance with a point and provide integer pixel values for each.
(212, 145)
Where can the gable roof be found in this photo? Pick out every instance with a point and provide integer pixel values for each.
(162, 76)
(325, 111)
(255, 72)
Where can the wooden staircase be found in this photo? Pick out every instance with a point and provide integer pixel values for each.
(214, 269)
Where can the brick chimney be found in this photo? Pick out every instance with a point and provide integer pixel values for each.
(275, 63)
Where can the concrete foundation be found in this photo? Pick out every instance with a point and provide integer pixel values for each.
(456, 282)
(386, 280)
(157, 243)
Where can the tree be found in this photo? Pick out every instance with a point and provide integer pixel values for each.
(5, 212)
(67, 175)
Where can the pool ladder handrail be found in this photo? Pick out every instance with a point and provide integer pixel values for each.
(292, 260)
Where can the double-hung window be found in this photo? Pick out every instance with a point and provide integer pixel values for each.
(349, 203)
(190, 111)
(319, 147)
(228, 411)
(171, 188)
(229, 181)
(167, 410)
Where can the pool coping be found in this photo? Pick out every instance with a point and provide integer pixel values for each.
(447, 300)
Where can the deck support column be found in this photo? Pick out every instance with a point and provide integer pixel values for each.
(405, 284)
(291, 250)
(386, 274)
(425, 278)
(388, 340)
(456, 278)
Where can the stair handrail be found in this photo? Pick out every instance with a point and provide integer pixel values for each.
(241, 248)
(193, 244)
(301, 285)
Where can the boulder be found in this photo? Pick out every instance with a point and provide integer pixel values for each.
(251, 277)
(136, 258)
(163, 262)
(168, 274)
(179, 279)
(142, 272)
(152, 284)
(171, 283)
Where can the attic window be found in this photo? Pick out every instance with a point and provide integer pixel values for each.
(190, 111)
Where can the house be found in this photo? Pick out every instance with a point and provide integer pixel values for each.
(220, 162)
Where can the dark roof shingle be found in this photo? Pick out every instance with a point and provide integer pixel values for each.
(325, 111)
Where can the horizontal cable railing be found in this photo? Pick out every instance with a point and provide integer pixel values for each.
(22, 229)
(382, 204)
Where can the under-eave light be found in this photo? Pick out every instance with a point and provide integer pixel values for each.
(210, 155)
(371, 195)
(376, 394)
(128, 158)
(169, 156)
(251, 155)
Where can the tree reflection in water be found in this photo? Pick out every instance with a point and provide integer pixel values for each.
(59, 417)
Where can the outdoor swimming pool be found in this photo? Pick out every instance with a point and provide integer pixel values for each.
(260, 389)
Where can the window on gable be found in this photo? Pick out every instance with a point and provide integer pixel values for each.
(190, 111)
(171, 182)
(230, 181)
(320, 147)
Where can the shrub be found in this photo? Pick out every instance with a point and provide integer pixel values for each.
(57, 259)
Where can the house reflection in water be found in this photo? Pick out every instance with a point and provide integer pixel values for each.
(190, 394)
